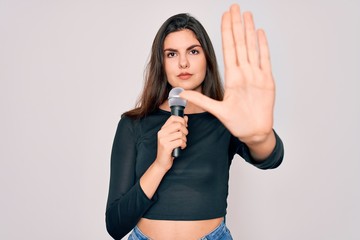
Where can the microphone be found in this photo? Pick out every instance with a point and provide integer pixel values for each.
(177, 105)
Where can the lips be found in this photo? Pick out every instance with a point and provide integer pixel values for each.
(184, 76)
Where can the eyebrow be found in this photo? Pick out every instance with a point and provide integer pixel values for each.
(187, 49)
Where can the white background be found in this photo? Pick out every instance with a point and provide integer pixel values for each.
(68, 69)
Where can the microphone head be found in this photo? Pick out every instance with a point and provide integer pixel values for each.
(175, 99)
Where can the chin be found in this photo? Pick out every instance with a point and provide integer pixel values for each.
(197, 88)
(187, 86)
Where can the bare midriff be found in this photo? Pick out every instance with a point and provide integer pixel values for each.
(177, 230)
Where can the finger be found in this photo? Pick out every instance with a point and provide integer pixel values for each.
(176, 136)
(210, 105)
(173, 119)
(175, 140)
(174, 128)
(251, 39)
(186, 120)
(228, 45)
(172, 133)
(238, 34)
(170, 142)
(178, 143)
(264, 51)
(183, 143)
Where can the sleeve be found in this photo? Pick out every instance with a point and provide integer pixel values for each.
(126, 202)
(272, 161)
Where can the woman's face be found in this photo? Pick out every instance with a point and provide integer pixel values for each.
(184, 60)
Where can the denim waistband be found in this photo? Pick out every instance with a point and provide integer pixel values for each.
(219, 233)
(138, 235)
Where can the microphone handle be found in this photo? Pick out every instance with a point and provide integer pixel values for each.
(177, 111)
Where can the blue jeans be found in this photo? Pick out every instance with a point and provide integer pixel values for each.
(219, 233)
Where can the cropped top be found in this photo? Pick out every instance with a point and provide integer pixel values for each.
(195, 188)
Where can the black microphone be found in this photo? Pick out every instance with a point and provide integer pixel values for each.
(177, 105)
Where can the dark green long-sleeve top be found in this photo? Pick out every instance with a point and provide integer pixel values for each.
(195, 188)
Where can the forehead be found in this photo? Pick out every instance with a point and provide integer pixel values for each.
(180, 39)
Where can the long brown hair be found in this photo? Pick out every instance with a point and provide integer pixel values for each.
(156, 87)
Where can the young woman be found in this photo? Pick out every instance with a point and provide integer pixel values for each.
(162, 197)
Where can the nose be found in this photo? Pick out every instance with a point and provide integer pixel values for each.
(183, 62)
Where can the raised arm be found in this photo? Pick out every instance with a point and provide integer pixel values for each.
(248, 104)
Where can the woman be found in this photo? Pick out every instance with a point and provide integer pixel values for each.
(185, 198)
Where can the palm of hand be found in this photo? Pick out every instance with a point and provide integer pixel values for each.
(247, 107)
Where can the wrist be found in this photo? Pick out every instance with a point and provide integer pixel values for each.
(261, 146)
(161, 167)
(257, 139)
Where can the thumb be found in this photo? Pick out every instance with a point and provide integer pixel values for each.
(200, 100)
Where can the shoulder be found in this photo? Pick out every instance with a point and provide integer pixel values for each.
(126, 125)
(124, 119)
(136, 124)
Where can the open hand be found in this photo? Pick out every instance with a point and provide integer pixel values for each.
(247, 107)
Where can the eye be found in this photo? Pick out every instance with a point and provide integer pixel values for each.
(171, 54)
(194, 51)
